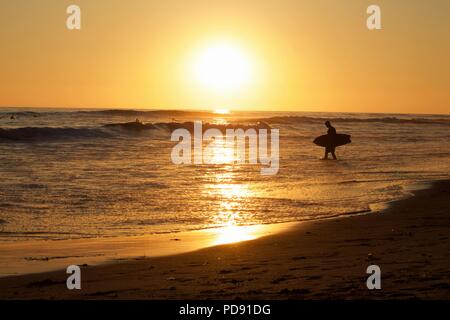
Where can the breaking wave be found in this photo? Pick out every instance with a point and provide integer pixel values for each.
(395, 120)
(36, 133)
(110, 130)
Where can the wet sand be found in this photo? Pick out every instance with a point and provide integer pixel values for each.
(39, 256)
(315, 260)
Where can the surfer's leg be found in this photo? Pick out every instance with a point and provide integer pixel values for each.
(325, 157)
(333, 153)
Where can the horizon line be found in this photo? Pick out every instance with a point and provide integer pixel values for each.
(211, 110)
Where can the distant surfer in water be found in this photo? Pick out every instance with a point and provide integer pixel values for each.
(330, 148)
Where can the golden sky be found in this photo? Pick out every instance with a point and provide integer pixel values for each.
(304, 55)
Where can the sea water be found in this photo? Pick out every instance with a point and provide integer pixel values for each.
(83, 173)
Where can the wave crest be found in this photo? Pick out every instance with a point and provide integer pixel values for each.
(306, 119)
(36, 133)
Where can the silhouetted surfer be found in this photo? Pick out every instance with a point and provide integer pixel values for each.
(331, 140)
(330, 148)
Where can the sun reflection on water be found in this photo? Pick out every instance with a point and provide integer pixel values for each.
(222, 154)
(232, 234)
(229, 211)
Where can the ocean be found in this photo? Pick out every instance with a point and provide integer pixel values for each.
(86, 173)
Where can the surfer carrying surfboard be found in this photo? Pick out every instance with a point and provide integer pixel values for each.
(330, 148)
(331, 140)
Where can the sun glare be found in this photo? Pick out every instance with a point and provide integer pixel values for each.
(223, 67)
(221, 111)
(232, 234)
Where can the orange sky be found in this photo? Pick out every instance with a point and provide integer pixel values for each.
(307, 55)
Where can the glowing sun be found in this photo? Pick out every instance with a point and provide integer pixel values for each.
(223, 67)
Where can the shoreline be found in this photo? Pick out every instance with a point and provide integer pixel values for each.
(19, 258)
(27, 257)
(314, 260)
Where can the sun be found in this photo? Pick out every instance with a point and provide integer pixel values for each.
(223, 67)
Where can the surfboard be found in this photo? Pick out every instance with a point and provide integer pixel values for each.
(336, 141)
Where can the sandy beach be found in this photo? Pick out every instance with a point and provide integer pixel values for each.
(315, 260)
